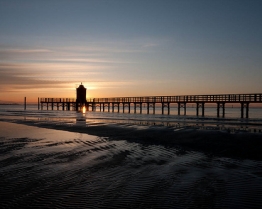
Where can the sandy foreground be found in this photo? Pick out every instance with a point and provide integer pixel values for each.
(56, 165)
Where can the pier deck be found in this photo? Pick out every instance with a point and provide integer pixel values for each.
(150, 101)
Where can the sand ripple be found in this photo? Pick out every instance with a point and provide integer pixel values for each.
(96, 172)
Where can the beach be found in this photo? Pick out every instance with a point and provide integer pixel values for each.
(51, 164)
(142, 104)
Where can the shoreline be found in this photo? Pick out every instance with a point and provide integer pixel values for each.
(221, 143)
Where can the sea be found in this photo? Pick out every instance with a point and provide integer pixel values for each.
(232, 119)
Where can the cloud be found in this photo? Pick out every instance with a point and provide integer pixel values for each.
(67, 54)
(19, 77)
(148, 45)
(24, 51)
(13, 54)
(16, 77)
(84, 60)
(37, 68)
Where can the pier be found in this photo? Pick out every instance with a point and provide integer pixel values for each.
(116, 104)
(63, 103)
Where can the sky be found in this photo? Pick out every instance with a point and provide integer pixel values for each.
(120, 48)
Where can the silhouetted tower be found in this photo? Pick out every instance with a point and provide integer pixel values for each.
(81, 95)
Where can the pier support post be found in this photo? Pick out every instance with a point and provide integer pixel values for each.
(152, 104)
(76, 106)
(168, 108)
(203, 109)
(202, 105)
(197, 107)
(178, 108)
(154, 108)
(218, 108)
(223, 110)
(243, 106)
(220, 105)
(242, 110)
(181, 105)
(52, 104)
(247, 110)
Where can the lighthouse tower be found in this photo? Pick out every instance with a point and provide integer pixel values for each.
(80, 95)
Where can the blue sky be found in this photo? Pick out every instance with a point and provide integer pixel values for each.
(129, 48)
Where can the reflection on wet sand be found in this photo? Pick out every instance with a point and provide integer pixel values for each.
(81, 120)
(44, 168)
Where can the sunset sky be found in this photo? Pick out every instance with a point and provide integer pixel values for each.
(129, 47)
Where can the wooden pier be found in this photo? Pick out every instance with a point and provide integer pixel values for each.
(64, 103)
(150, 102)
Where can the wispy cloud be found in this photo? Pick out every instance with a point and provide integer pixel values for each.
(38, 76)
(98, 65)
(23, 51)
(148, 45)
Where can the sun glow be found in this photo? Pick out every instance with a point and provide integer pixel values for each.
(84, 109)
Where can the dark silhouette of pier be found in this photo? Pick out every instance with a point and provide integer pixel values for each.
(116, 103)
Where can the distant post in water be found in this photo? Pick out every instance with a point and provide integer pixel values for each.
(38, 104)
(25, 104)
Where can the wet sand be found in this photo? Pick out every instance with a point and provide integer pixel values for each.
(47, 165)
(224, 143)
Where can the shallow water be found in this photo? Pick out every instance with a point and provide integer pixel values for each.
(43, 168)
(232, 120)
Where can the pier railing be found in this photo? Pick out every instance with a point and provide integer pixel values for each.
(187, 98)
(50, 100)
(228, 98)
